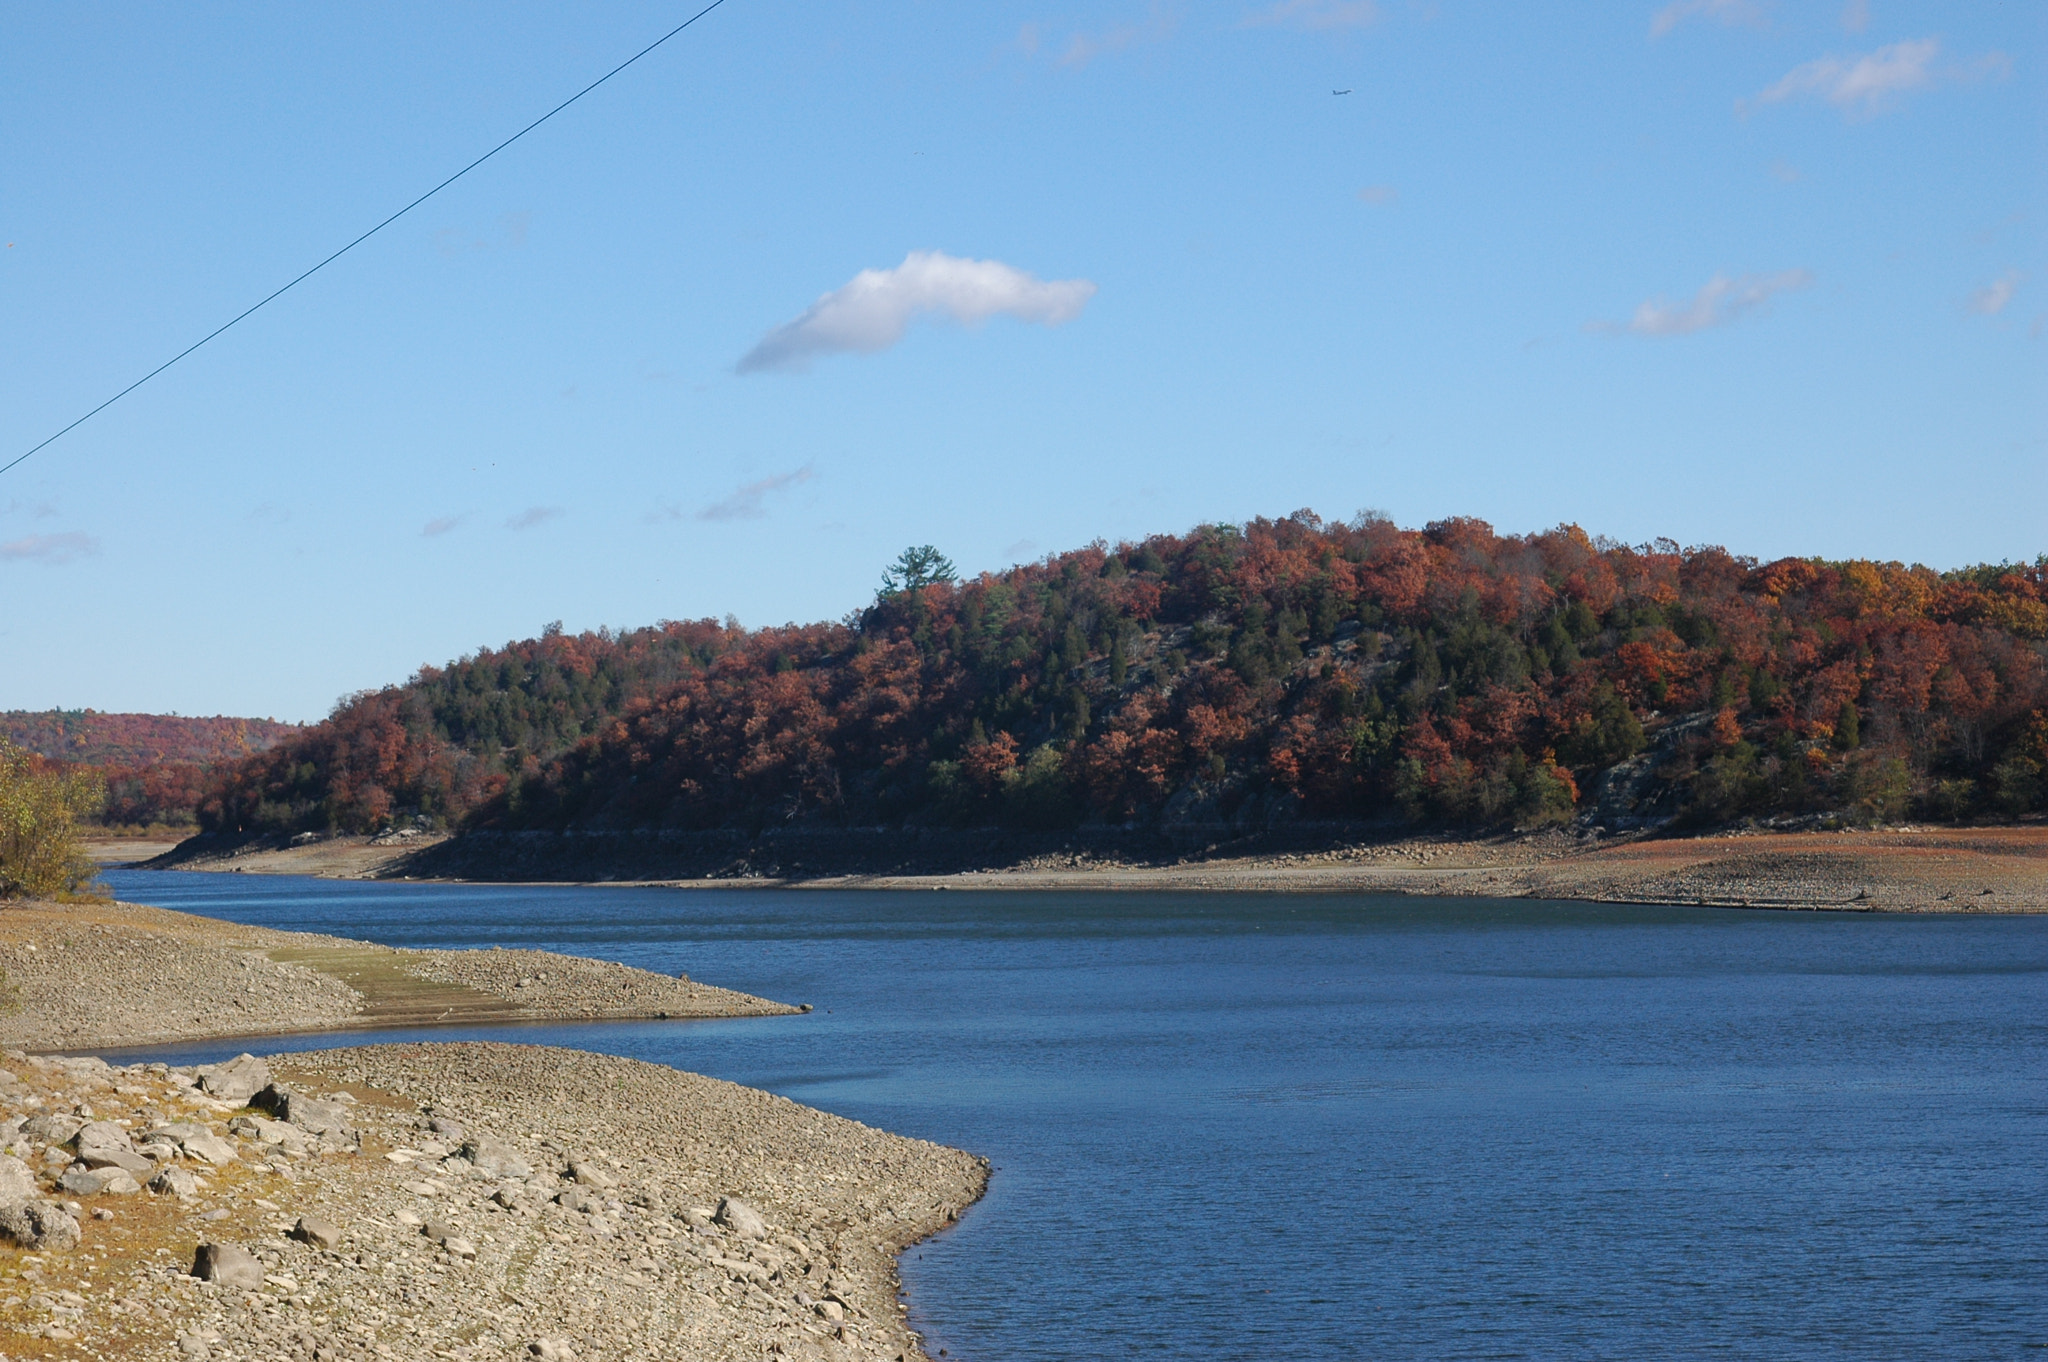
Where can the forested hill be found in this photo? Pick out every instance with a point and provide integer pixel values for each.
(97, 739)
(1235, 676)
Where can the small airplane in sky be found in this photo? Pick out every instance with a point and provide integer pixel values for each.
(1340, 92)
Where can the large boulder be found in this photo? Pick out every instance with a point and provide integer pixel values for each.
(102, 1144)
(262, 1128)
(495, 1159)
(175, 1182)
(54, 1127)
(195, 1140)
(229, 1265)
(17, 1183)
(38, 1225)
(590, 1174)
(741, 1219)
(99, 1182)
(328, 1120)
(321, 1234)
(238, 1080)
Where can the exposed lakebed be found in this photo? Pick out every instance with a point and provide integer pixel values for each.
(1325, 1127)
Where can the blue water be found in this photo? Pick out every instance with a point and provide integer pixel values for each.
(1318, 1127)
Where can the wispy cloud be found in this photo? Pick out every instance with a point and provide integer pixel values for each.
(1083, 48)
(1720, 301)
(1856, 15)
(872, 312)
(532, 516)
(1379, 194)
(1725, 12)
(440, 525)
(749, 502)
(1317, 16)
(1990, 300)
(1865, 84)
(53, 549)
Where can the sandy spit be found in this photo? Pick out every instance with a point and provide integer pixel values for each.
(100, 976)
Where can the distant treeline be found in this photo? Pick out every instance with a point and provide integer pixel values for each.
(1235, 675)
(153, 766)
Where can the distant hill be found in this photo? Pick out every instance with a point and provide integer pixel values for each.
(84, 735)
(1237, 677)
(155, 765)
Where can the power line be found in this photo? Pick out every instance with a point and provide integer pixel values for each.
(367, 235)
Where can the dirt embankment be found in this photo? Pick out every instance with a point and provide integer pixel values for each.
(1996, 869)
(461, 1202)
(77, 976)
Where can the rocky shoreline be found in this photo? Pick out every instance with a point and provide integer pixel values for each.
(461, 1201)
(1908, 869)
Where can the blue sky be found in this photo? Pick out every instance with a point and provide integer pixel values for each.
(1767, 275)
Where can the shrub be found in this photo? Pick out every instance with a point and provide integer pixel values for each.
(40, 855)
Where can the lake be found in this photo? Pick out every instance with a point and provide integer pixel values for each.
(1344, 1126)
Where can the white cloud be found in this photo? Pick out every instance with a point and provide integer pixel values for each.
(1317, 15)
(872, 312)
(1990, 300)
(1379, 194)
(1725, 12)
(54, 549)
(1860, 85)
(1720, 301)
(532, 516)
(746, 503)
(1856, 15)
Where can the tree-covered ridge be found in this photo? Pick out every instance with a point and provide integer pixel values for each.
(97, 739)
(1234, 675)
(152, 767)
(453, 737)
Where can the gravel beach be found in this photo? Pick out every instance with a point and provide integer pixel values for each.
(462, 1201)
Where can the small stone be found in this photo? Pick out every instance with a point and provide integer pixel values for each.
(229, 1265)
(319, 1233)
(102, 1213)
(192, 1345)
(740, 1218)
(551, 1350)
